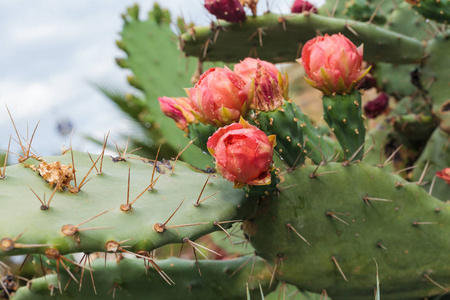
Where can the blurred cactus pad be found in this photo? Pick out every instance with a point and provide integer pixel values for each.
(357, 207)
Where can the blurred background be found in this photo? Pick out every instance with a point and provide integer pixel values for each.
(53, 54)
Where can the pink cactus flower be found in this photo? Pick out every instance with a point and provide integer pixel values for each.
(243, 153)
(247, 68)
(179, 109)
(377, 106)
(268, 91)
(444, 174)
(333, 64)
(270, 86)
(300, 6)
(220, 97)
(228, 10)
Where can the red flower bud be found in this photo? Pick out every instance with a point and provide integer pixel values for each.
(300, 6)
(178, 109)
(377, 106)
(333, 64)
(243, 153)
(228, 10)
(444, 174)
(220, 97)
(270, 86)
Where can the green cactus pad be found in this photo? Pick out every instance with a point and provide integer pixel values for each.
(278, 38)
(376, 140)
(200, 133)
(296, 136)
(364, 11)
(435, 157)
(158, 71)
(127, 279)
(438, 10)
(343, 113)
(286, 123)
(435, 75)
(405, 20)
(21, 212)
(395, 80)
(346, 220)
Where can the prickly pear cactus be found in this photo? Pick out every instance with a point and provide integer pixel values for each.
(353, 205)
(129, 279)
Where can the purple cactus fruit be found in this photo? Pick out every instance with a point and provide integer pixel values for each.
(377, 106)
(228, 10)
(300, 6)
(367, 82)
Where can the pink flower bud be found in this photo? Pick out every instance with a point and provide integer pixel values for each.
(220, 97)
(333, 64)
(300, 6)
(377, 106)
(178, 109)
(243, 153)
(228, 10)
(444, 174)
(270, 86)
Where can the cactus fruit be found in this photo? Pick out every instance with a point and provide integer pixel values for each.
(228, 10)
(377, 106)
(300, 6)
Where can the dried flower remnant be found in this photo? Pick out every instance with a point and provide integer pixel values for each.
(377, 106)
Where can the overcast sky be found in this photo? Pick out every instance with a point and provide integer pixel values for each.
(50, 53)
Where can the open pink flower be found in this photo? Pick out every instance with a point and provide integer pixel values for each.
(444, 174)
(228, 10)
(333, 64)
(243, 153)
(220, 97)
(179, 109)
(271, 87)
